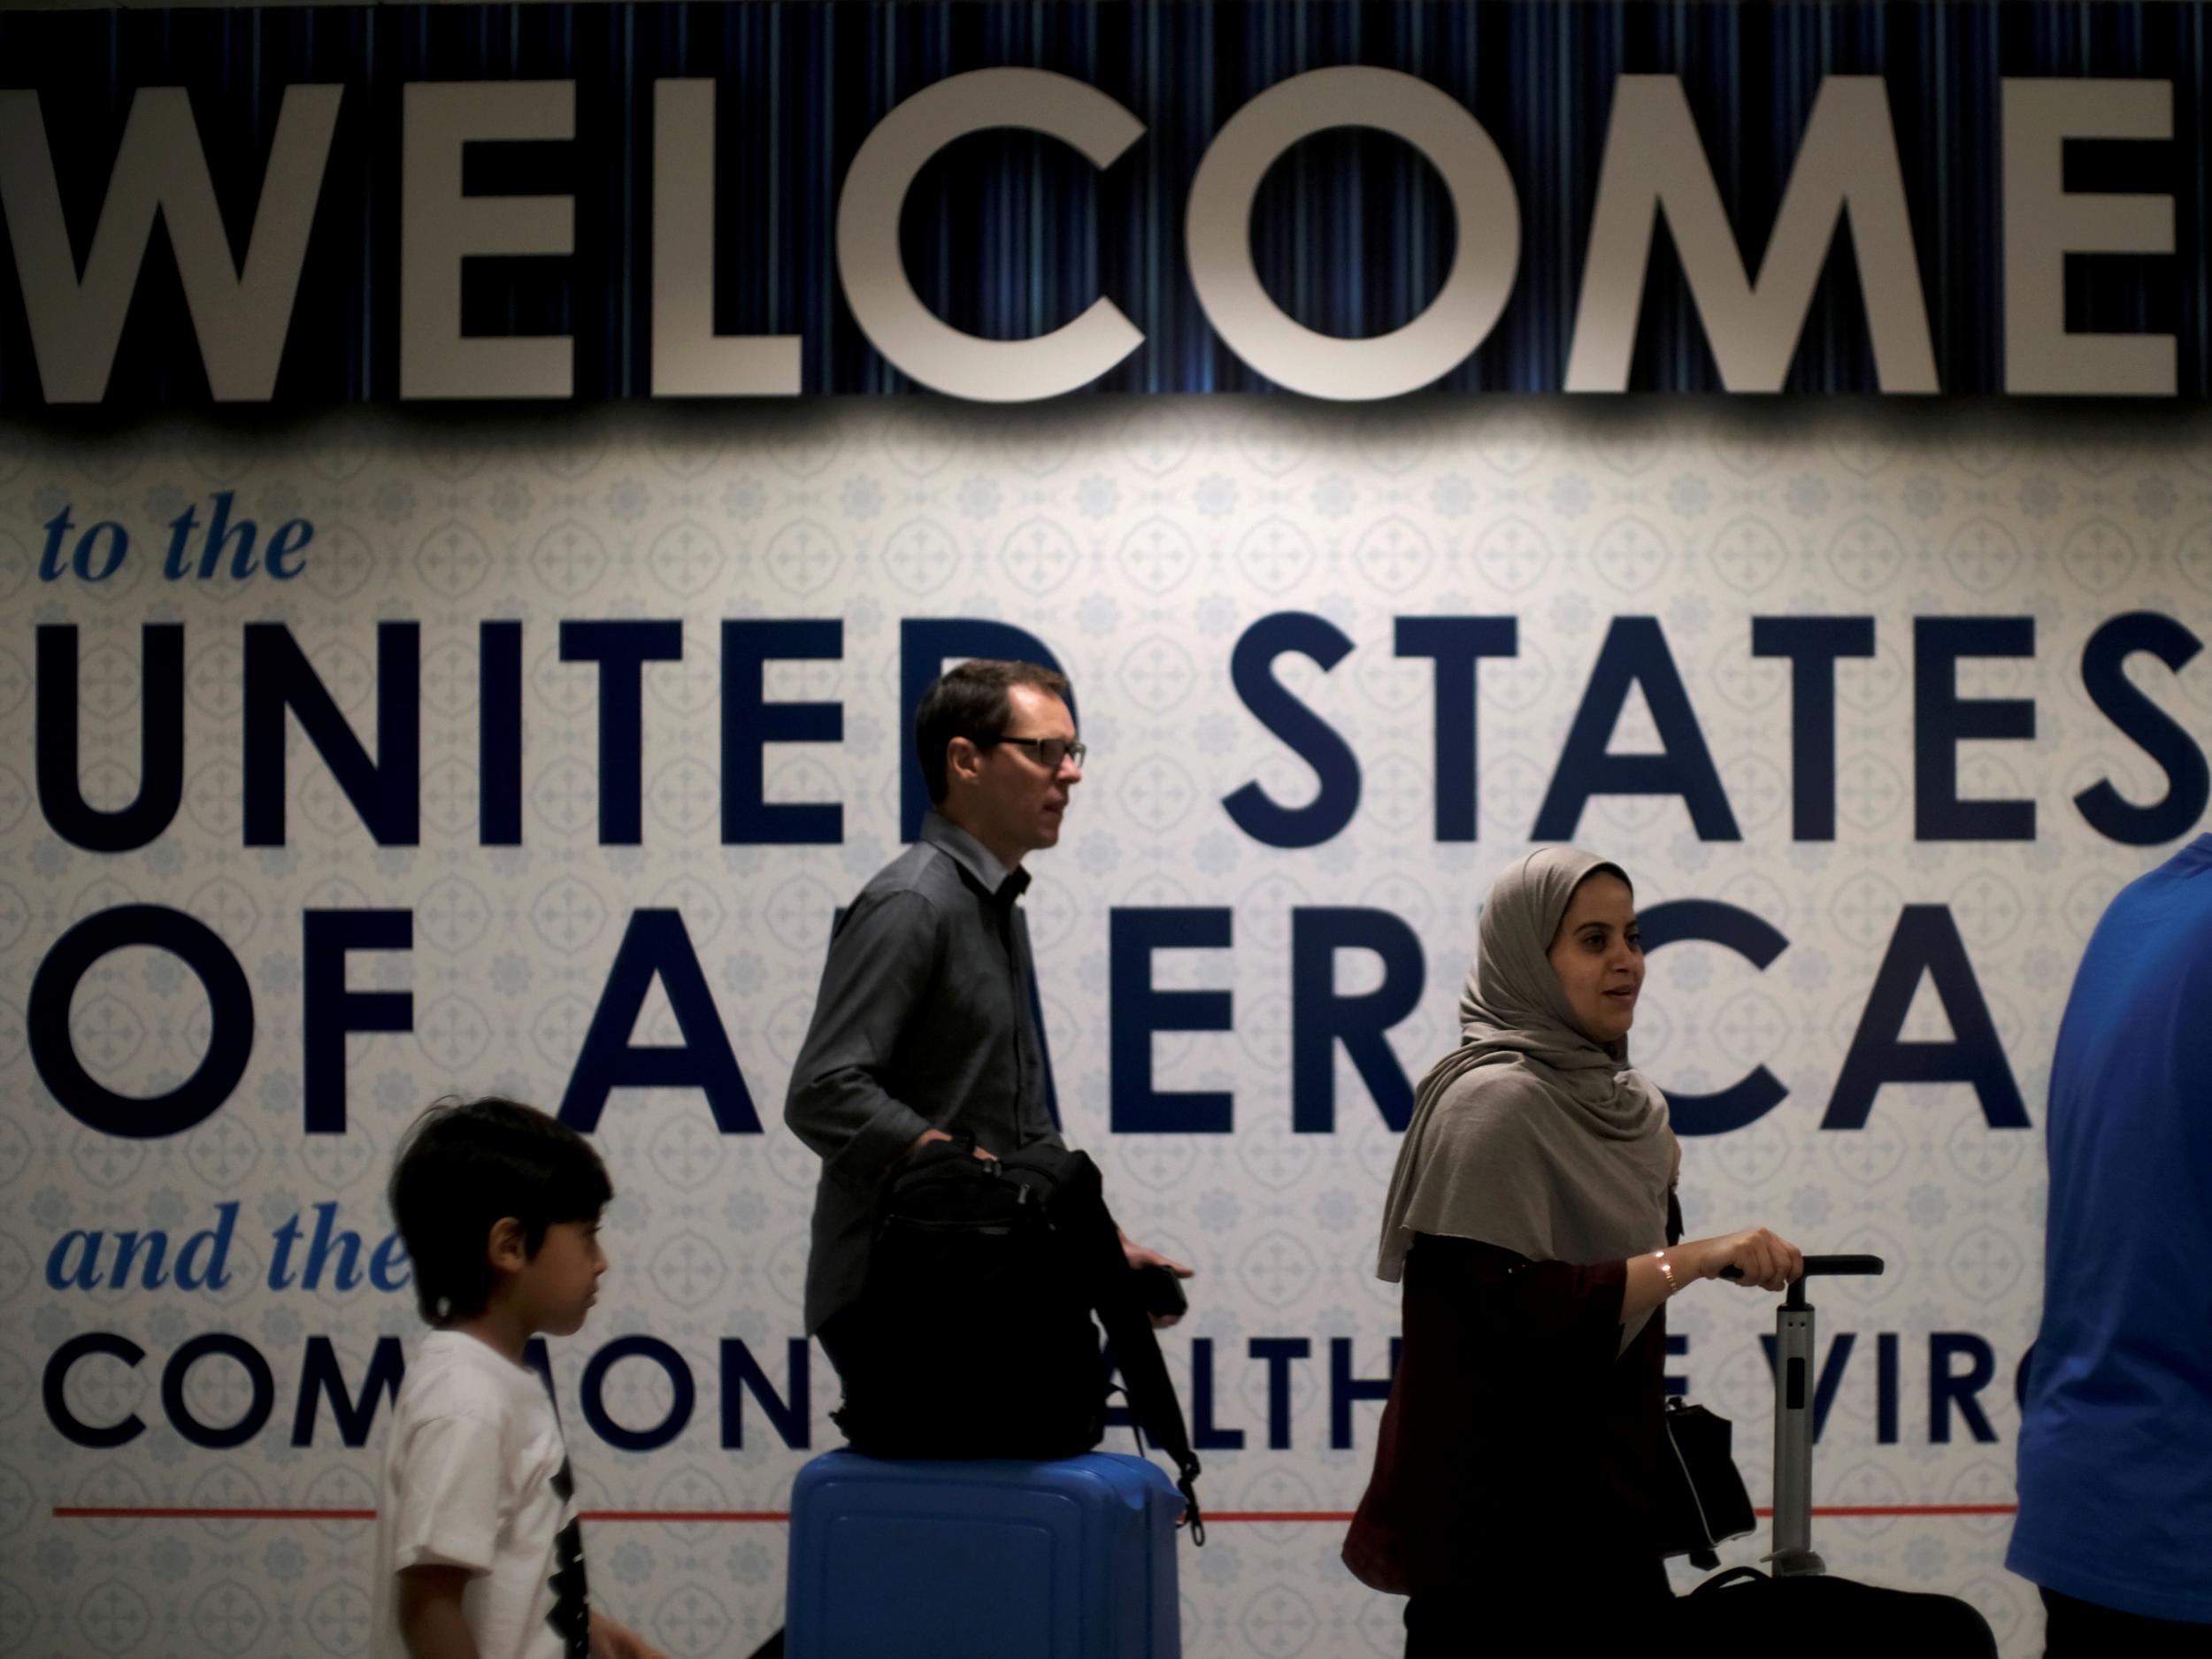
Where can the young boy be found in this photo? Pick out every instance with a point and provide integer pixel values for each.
(479, 1552)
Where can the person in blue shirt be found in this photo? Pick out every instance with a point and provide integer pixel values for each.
(2115, 1435)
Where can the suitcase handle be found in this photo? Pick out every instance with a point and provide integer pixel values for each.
(1843, 1264)
(1867, 1265)
(1826, 1265)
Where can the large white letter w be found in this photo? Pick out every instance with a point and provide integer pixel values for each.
(240, 317)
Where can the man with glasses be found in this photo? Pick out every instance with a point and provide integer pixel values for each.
(927, 1025)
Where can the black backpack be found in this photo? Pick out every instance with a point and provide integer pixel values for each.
(982, 1280)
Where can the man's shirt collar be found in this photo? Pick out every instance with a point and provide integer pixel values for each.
(976, 860)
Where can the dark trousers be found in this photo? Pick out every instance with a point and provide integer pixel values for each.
(2076, 1629)
(1622, 1610)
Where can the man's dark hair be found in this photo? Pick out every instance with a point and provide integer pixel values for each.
(971, 701)
(465, 1166)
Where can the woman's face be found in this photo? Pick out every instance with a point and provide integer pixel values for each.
(1599, 958)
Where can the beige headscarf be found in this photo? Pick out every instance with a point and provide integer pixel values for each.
(1530, 1135)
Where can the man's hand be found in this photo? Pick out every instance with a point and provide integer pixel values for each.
(1140, 1256)
(610, 1640)
(928, 1135)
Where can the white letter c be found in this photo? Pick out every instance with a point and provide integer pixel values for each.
(892, 315)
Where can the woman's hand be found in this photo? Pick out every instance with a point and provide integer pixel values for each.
(1761, 1259)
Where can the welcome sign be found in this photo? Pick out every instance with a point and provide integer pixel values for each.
(1008, 202)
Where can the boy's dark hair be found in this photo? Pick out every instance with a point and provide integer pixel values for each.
(465, 1164)
(970, 700)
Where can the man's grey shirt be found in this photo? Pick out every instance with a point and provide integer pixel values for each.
(923, 1022)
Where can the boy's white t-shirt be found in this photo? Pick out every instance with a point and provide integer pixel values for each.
(476, 1475)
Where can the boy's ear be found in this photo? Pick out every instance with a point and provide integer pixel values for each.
(504, 1247)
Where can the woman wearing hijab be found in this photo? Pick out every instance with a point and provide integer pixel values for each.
(1531, 1218)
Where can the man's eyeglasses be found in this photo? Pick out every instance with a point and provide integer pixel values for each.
(1049, 751)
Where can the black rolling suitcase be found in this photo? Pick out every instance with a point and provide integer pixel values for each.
(1800, 1607)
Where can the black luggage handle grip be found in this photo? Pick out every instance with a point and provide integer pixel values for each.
(1843, 1264)
(1867, 1265)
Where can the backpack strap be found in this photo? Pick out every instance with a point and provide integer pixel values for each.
(1079, 1208)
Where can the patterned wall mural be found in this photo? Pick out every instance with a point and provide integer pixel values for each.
(1141, 542)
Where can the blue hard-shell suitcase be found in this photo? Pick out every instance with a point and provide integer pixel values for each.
(991, 1559)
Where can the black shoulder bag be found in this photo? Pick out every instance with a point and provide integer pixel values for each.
(1703, 1500)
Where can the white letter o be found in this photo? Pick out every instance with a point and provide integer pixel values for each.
(1219, 231)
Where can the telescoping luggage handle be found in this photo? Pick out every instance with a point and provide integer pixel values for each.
(1793, 1554)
